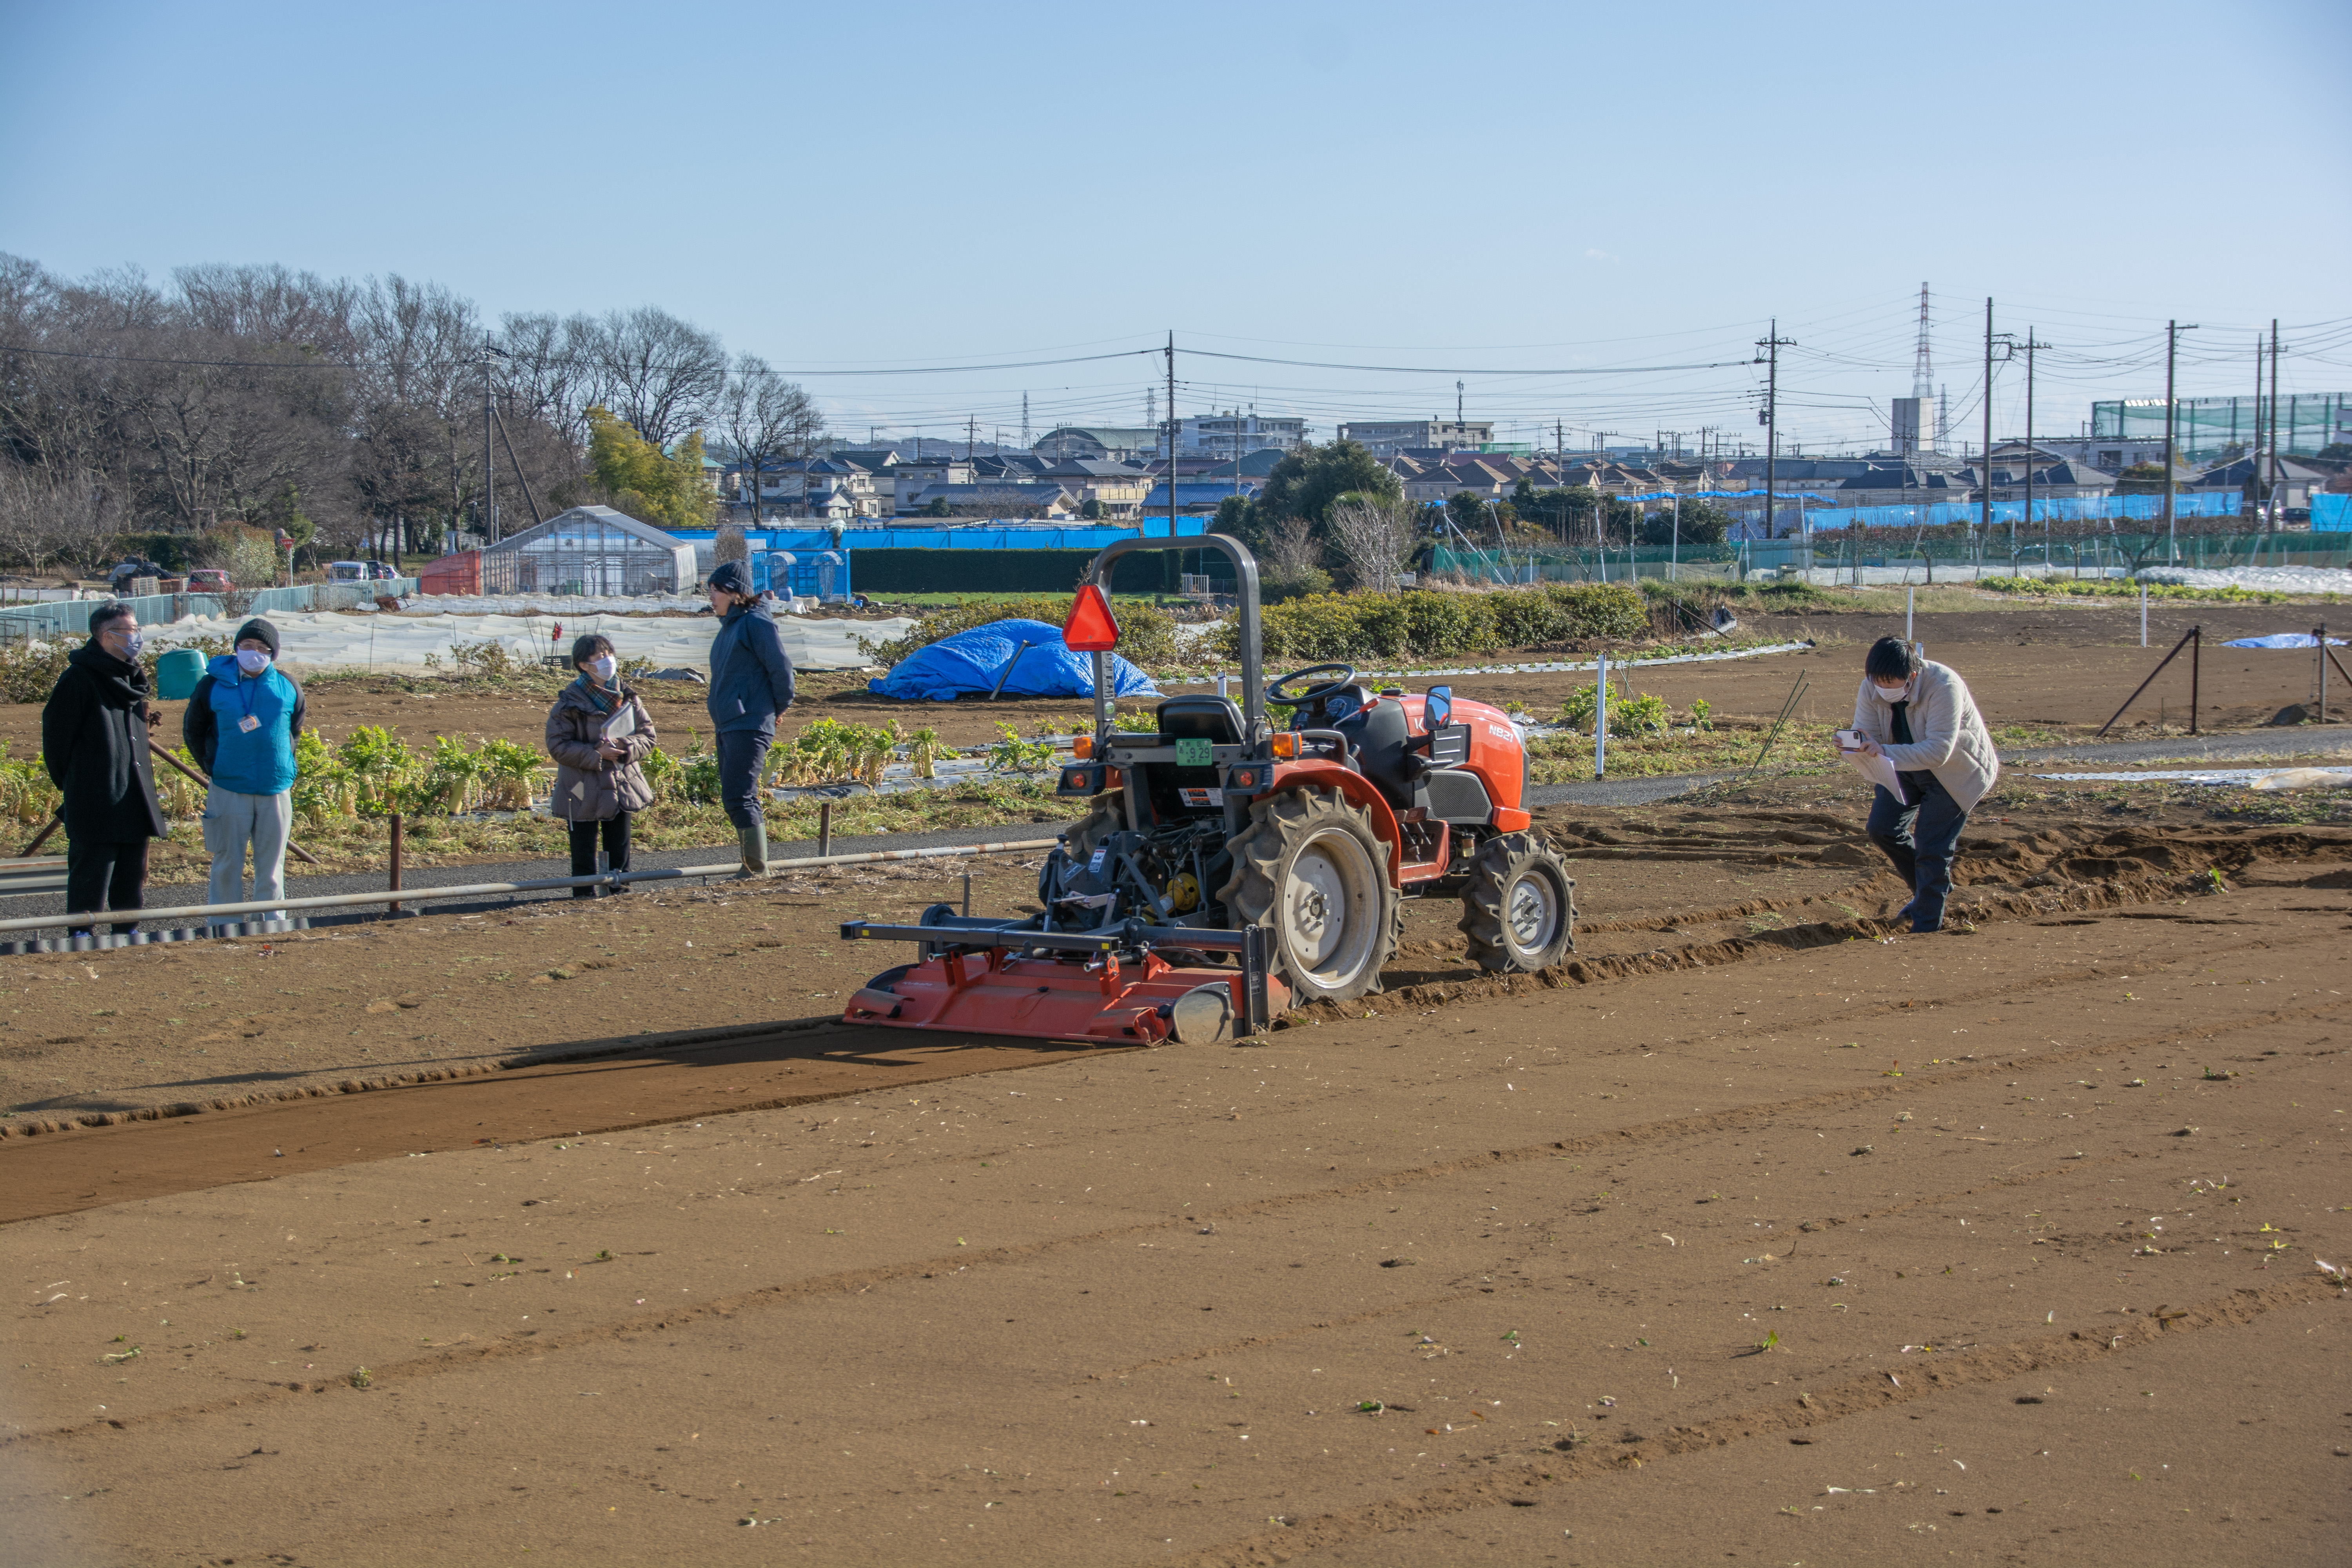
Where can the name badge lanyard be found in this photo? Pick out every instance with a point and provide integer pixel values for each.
(249, 723)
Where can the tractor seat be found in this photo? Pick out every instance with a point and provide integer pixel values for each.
(1382, 739)
(1217, 719)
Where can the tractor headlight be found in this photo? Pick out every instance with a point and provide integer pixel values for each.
(1285, 744)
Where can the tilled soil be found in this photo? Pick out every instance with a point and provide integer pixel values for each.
(1465, 1272)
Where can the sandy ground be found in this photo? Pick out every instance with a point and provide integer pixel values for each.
(2024, 1268)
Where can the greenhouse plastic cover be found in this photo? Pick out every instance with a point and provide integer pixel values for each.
(328, 640)
(971, 662)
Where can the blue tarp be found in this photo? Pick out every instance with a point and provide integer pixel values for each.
(2283, 639)
(971, 662)
(2331, 514)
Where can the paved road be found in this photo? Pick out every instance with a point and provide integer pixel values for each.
(2332, 740)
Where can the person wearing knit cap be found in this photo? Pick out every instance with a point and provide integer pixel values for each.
(750, 684)
(240, 725)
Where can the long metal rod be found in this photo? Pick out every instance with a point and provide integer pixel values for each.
(2152, 674)
(488, 890)
(1796, 693)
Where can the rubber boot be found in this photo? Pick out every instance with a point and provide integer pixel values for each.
(755, 851)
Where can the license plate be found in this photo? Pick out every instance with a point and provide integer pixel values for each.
(1194, 755)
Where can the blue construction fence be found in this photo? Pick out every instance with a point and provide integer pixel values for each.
(46, 620)
(2064, 509)
(976, 536)
(2331, 514)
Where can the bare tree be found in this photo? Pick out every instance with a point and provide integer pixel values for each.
(1292, 548)
(659, 374)
(69, 519)
(1373, 537)
(766, 420)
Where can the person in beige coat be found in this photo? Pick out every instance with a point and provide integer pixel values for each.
(599, 734)
(1918, 715)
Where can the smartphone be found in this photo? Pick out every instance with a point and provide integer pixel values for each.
(1849, 740)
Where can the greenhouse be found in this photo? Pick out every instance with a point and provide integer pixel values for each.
(589, 550)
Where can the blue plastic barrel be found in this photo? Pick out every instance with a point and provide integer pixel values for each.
(177, 672)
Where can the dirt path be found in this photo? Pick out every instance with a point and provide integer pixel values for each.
(1748, 1236)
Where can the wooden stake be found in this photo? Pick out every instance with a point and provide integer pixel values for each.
(395, 905)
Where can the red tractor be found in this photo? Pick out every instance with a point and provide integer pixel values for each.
(1219, 834)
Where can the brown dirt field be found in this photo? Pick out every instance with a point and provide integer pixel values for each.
(1343, 1296)
(2064, 666)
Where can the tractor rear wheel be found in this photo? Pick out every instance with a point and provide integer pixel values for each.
(1310, 867)
(1520, 909)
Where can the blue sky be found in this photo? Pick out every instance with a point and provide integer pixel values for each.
(1461, 192)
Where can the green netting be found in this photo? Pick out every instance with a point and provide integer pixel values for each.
(2203, 426)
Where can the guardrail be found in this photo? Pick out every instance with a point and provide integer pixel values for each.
(412, 895)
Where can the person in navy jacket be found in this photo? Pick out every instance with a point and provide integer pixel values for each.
(240, 726)
(751, 683)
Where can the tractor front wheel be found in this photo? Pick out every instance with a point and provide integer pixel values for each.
(1520, 910)
(1310, 867)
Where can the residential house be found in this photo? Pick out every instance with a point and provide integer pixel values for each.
(1118, 486)
(2251, 475)
(998, 499)
(1193, 498)
(910, 476)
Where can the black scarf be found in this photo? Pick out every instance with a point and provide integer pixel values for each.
(119, 685)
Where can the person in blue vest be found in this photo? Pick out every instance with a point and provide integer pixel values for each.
(751, 683)
(240, 726)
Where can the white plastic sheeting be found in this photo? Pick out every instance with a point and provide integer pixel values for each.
(2275, 579)
(2253, 778)
(324, 640)
(574, 604)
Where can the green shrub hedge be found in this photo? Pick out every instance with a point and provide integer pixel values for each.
(1427, 624)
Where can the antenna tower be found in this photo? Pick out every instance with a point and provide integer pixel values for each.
(1923, 370)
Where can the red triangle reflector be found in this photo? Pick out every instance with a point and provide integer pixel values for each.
(1090, 629)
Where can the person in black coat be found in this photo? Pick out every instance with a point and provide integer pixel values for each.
(94, 743)
(750, 684)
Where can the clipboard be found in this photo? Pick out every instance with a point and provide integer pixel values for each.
(623, 723)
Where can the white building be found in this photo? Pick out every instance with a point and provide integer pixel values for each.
(1222, 438)
(1388, 437)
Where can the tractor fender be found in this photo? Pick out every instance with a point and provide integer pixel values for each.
(1357, 790)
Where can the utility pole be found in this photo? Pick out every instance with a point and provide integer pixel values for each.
(1172, 445)
(1772, 346)
(2030, 344)
(970, 437)
(2254, 451)
(2172, 330)
(1988, 421)
(1024, 419)
(1457, 408)
(2272, 496)
(490, 463)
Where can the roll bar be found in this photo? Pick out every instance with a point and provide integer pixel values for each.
(1246, 578)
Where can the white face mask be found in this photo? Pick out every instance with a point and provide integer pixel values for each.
(131, 644)
(253, 660)
(1893, 694)
(602, 667)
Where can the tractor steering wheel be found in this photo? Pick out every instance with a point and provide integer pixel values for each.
(1307, 699)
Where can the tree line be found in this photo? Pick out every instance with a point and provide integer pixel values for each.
(1335, 509)
(347, 413)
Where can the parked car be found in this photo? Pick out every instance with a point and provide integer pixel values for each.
(347, 571)
(209, 580)
(380, 572)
